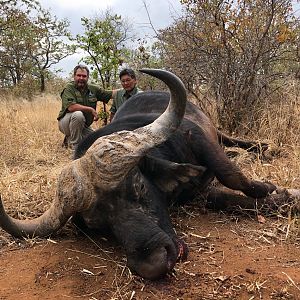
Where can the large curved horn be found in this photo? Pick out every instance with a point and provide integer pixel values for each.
(103, 167)
(116, 154)
(170, 120)
(74, 193)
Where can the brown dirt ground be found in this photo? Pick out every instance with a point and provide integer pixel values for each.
(231, 257)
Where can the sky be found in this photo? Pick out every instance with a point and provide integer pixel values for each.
(162, 14)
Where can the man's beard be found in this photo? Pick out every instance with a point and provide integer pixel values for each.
(81, 84)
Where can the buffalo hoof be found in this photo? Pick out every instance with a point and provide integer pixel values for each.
(260, 189)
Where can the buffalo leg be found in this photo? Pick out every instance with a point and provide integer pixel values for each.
(210, 154)
(225, 199)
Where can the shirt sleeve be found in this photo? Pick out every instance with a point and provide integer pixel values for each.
(104, 95)
(68, 97)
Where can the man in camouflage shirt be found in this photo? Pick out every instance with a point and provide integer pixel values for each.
(129, 82)
(78, 111)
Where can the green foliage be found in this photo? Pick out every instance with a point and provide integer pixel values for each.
(10, 6)
(103, 115)
(104, 41)
(15, 60)
(50, 44)
(31, 41)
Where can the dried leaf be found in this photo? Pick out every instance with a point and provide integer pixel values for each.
(261, 219)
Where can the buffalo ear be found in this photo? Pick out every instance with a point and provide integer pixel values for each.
(167, 175)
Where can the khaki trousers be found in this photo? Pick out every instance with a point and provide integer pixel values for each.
(73, 126)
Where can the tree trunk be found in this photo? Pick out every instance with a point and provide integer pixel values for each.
(42, 82)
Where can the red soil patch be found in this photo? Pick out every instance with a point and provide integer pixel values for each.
(229, 258)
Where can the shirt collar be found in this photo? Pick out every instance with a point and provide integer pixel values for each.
(132, 92)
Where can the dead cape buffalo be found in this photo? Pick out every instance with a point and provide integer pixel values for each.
(158, 149)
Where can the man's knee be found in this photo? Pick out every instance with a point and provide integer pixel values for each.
(77, 119)
(78, 116)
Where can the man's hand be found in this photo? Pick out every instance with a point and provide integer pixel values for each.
(75, 106)
(95, 115)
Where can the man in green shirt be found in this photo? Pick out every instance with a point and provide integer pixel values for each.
(129, 82)
(78, 111)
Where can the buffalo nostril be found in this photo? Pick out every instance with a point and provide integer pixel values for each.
(171, 257)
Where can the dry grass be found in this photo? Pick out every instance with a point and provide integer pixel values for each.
(31, 155)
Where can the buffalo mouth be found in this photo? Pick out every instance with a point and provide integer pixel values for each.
(156, 265)
(154, 259)
(182, 250)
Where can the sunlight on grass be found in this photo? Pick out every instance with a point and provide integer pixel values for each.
(31, 153)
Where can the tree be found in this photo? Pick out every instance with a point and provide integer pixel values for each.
(104, 41)
(146, 56)
(236, 50)
(50, 44)
(15, 59)
(8, 6)
(31, 41)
